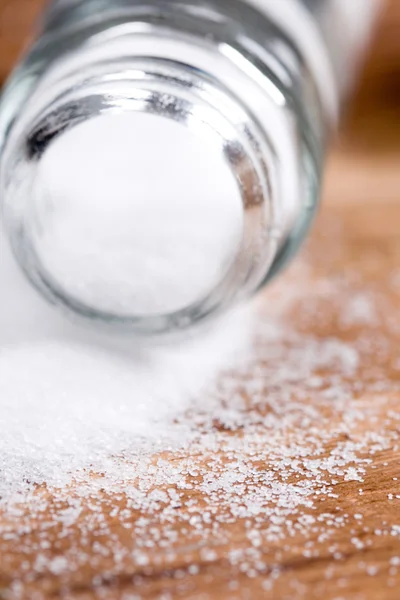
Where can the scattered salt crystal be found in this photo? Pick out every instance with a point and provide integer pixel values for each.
(338, 556)
(360, 310)
(395, 530)
(208, 555)
(193, 569)
(357, 543)
(58, 565)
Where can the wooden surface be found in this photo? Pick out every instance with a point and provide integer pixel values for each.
(345, 543)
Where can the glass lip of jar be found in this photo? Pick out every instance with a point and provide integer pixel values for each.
(195, 99)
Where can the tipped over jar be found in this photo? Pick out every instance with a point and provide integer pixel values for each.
(161, 160)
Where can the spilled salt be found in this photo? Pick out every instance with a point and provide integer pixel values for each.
(70, 400)
(256, 459)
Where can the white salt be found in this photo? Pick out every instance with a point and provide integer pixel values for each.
(136, 214)
(70, 400)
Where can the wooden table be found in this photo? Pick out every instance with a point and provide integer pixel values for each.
(341, 351)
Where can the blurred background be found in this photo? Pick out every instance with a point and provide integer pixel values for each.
(375, 111)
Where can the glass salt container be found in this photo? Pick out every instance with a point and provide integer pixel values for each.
(212, 99)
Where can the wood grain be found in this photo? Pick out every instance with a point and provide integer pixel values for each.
(354, 252)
